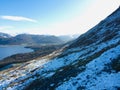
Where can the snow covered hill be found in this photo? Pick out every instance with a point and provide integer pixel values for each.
(4, 35)
(91, 62)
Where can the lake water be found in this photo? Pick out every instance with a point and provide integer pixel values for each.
(6, 51)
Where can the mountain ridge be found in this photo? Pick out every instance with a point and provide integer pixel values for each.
(30, 39)
(26, 39)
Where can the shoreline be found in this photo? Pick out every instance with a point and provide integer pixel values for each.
(24, 57)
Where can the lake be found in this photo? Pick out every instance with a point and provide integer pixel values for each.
(9, 50)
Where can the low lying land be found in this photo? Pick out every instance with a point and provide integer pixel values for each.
(39, 51)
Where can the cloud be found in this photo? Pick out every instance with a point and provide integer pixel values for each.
(18, 18)
(5, 27)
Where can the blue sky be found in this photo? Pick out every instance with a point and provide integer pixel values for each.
(57, 17)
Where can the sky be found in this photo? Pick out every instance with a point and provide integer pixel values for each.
(53, 17)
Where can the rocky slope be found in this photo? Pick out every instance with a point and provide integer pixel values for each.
(91, 62)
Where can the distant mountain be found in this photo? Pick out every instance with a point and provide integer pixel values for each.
(30, 39)
(4, 35)
(91, 62)
(67, 38)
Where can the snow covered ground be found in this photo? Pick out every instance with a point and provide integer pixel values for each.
(90, 65)
(93, 77)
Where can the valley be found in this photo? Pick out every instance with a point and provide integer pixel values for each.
(90, 62)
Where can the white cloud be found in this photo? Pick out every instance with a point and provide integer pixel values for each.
(5, 27)
(18, 18)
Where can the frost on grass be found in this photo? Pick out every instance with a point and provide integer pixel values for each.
(96, 74)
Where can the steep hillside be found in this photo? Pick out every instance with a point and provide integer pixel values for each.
(91, 62)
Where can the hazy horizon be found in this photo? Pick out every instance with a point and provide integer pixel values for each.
(53, 17)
